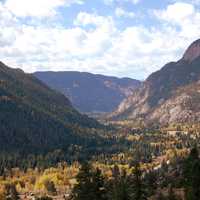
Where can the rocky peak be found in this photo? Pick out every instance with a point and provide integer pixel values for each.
(193, 51)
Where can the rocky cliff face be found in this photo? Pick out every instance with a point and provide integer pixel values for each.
(192, 52)
(169, 95)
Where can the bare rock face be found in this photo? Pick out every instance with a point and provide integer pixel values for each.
(133, 105)
(183, 106)
(192, 52)
(170, 95)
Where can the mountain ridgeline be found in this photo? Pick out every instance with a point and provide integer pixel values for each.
(35, 119)
(90, 92)
(170, 95)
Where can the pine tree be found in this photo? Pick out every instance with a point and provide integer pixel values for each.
(83, 189)
(125, 192)
(90, 184)
(119, 186)
(151, 182)
(191, 174)
(113, 185)
(187, 168)
(138, 187)
(194, 187)
(98, 185)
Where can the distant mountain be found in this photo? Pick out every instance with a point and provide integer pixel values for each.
(90, 92)
(35, 119)
(170, 95)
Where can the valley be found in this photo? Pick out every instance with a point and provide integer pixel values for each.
(99, 100)
(146, 149)
(158, 150)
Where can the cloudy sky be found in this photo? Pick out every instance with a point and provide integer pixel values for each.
(129, 38)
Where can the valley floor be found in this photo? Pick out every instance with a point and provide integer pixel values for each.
(158, 150)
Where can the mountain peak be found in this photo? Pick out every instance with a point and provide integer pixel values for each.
(169, 95)
(193, 51)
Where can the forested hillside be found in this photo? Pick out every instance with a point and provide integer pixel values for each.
(37, 120)
(90, 92)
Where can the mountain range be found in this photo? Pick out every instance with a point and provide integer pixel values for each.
(36, 119)
(90, 93)
(170, 95)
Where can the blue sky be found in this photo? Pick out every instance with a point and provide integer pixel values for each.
(124, 38)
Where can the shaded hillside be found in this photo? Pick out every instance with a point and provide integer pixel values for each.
(36, 119)
(166, 96)
(90, 92)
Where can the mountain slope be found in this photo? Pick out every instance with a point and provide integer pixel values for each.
(90, 92)
(167, 96)
(36, 119)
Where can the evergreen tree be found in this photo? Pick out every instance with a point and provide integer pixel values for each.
(90, 184)
(83, 189)
(98, 185)
(119, 186)
(193, 191)
(191, 174)
(138, 187)
(188, 165)
(151, 182)
(113, 185)
(125, 192)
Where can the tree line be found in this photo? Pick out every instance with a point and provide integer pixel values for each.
(92, 185)
(139, 185)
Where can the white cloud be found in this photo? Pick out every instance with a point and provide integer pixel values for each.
(194, 2)
(84, 19)
(109, 2)
(99, 35)
(95, 44)
(184, 16)
(37, 8)
(120, 12)
(57, 47)
(176, 12)
(135, 1)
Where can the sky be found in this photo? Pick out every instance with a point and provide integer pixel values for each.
(124, 38)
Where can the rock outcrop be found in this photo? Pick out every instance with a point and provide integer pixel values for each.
(170, 95)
